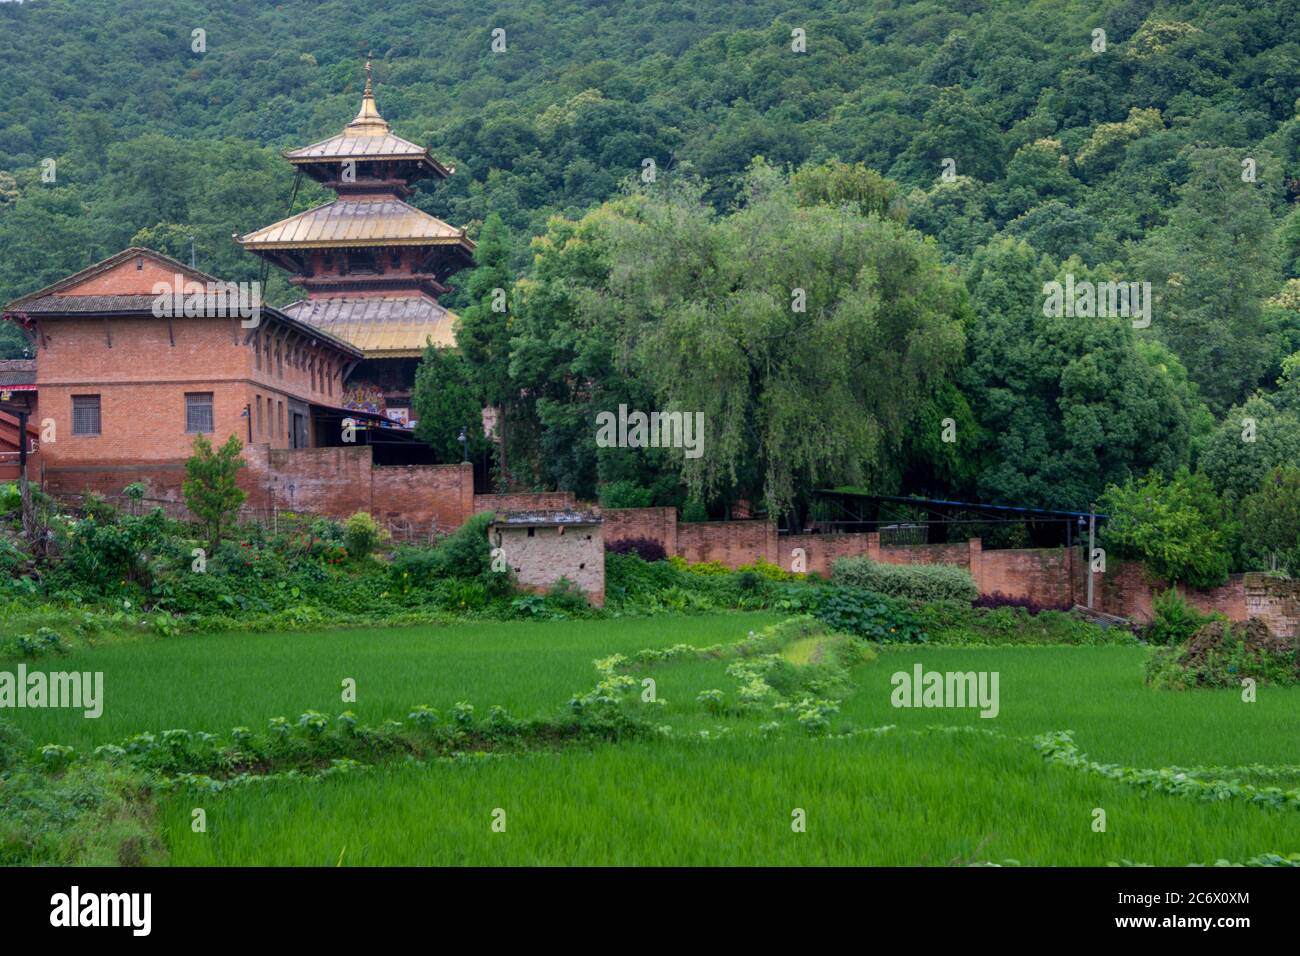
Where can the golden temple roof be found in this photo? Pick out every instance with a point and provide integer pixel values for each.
(358, 221)
(382, 327)
(368, 137)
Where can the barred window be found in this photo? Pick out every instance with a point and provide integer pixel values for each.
(198, 411)
(85, 414)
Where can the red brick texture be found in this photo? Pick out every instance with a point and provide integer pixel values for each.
(545, 501)
(656, 524)
(1046, 575)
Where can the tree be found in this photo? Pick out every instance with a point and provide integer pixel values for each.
(483, 336)
(955, 128)
(1271, 519)
(210, 490)
(809, 337)
(1178, 528)
(1213, 265)
(446, 399)
(1255, 437)
(1066, 405)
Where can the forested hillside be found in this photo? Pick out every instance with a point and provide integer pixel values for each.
(1027, 145)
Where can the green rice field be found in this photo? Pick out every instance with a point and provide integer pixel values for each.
(711, 785)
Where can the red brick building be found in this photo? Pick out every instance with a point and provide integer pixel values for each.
(123, 390)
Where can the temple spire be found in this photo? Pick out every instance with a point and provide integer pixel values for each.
(368, 121)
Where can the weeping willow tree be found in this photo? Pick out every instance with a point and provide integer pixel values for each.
(812, 336)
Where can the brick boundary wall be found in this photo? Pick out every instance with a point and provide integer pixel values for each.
(541, 501)
(418, 501)
(1049, 576)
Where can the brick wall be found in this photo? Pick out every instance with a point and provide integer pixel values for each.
(432, 498)
(545, 501)
(732, 542)
(656, 524)
(1274, 600)
(820, 550)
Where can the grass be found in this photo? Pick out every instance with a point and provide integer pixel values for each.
(214, 682)
(707, 788)
(891, 800)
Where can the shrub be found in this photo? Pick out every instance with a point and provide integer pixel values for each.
(362, 534)
(468, 553)
(773, 572)
(209, 487)
(1221, 654)
(647, 549)
(624, 494)
(916, 582)
(565, 595)
(955, 623)
(1175, 620)
(695, 511)
(998, 599)
(862, 613)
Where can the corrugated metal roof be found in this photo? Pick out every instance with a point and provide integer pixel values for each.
(358, 222)
(96, 304)
(536, 519)
(347, 146)
(18, 372)
(384, 327)
(143, 305)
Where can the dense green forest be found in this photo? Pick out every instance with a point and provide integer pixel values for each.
(972, 151)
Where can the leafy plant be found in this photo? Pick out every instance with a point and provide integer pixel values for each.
(916, 582)
(362, 535)
(211, 493)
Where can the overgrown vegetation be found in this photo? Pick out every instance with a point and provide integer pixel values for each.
(1224, 654)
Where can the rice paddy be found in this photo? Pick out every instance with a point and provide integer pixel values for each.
(717, 781)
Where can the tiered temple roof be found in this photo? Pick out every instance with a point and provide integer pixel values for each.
(372, 265)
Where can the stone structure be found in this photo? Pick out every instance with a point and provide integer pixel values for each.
(540, 547)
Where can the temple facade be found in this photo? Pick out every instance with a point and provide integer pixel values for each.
(370, 265)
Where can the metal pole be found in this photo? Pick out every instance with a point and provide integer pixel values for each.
(1092, 537)
(25, 491)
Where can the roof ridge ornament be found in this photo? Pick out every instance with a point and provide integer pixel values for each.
(368, 121)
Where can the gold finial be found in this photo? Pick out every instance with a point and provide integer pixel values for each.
(368, 121)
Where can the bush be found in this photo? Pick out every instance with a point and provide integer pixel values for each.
(862, 613)
(772, 572)
(565, 595)
(998, 599)
(695, 511)
(362, 535)
(955, 623)
(464, 555)
(916, 582)
(1175, 620)
(647, 549)
(1221, 654)
(625, 494)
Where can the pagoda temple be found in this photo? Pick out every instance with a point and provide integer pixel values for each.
(370, 265)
